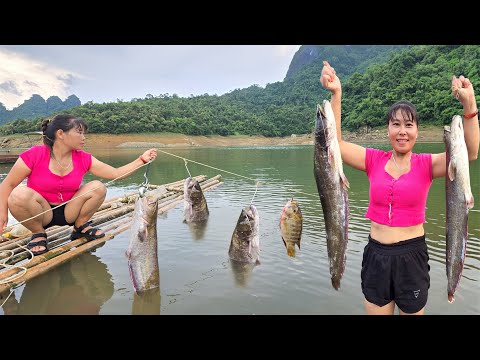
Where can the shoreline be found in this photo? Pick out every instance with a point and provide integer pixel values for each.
(168, 140)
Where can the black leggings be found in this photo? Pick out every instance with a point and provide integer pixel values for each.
(58, 217)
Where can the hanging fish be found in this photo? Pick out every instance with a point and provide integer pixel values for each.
(291, 223)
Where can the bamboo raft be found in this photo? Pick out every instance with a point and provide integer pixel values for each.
(114, 216)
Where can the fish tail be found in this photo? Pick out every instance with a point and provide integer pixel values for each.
(291, 249)
(335, 282)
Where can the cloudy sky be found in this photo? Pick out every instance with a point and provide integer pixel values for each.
(105, 73)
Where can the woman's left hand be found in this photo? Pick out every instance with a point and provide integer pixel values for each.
(150, 155)
(462, 90)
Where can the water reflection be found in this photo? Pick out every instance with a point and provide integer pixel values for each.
(78, 287)
(242, 272)
(197, 229)
(147, 302)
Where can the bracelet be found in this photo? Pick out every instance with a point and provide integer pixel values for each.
(143, 160)
(469, 116)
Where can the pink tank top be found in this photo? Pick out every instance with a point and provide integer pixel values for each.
(54, 188)
(402, 201)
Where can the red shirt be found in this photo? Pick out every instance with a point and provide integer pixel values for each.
(54, 188)
(402, 201)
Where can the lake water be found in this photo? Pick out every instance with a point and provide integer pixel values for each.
(196, 276)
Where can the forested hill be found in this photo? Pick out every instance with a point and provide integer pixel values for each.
(37, 106)
(373, 77)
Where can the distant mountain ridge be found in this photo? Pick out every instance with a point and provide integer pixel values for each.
(373, 78)
(37, 106)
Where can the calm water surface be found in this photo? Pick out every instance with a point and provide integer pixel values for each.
(196, 276)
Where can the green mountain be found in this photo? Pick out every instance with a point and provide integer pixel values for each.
(373, 77)
(36, 106)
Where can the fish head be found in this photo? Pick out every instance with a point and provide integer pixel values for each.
(456, 128)
(325, 128)
(291, 210)
(150, 206)
(248, 219)
(453, 135)
(192, 190)
(330, 119)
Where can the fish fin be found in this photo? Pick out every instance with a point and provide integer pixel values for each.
(345, 182)
(469, 200)
(451, 171)
(257, 262)
(330, 157)
(127, 253)
(298, 244)
(284, 243)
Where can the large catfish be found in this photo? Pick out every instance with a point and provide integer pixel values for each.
(142, 252)
(195, 207)
(459, 200)
(245, 242)
(332, 188)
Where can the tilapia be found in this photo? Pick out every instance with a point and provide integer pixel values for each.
(194, 203)
(332, 188)
(459, 200)
(142, 252)
(245, 242)
(291, 223)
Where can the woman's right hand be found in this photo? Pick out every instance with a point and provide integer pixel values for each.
(3, 223)
(329, 79)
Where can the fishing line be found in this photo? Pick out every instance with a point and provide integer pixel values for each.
(11, 292)
(186, 167)
(232, 173)
(256, 188)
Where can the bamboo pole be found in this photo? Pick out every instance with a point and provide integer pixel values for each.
(118, 219)
(43, 266)
(60, 250)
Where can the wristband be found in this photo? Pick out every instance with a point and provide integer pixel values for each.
(469, 116)
(143, 160)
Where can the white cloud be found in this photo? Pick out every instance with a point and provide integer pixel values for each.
(111, 72)
(286, 50)
(21, 77)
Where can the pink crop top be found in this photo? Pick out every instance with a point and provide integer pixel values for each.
(402, 201)
(54, 188)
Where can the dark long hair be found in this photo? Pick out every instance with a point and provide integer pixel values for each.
(408, 110)
(64, 122)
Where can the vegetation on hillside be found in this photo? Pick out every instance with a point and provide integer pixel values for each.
(373, 78)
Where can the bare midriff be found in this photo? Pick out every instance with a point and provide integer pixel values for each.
(393, 234)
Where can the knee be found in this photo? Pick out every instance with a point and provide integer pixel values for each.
(21, 195)
(99, 188)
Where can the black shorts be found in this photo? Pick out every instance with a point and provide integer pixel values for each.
(58, 217)
(397, 272)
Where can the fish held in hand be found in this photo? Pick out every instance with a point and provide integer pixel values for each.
(142, 253)
(459, 200)
(194, 203)
(332, 188)
(291, 223)
(245, 242)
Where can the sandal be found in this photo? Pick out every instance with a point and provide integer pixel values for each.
(89, 234)
(43, 243)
